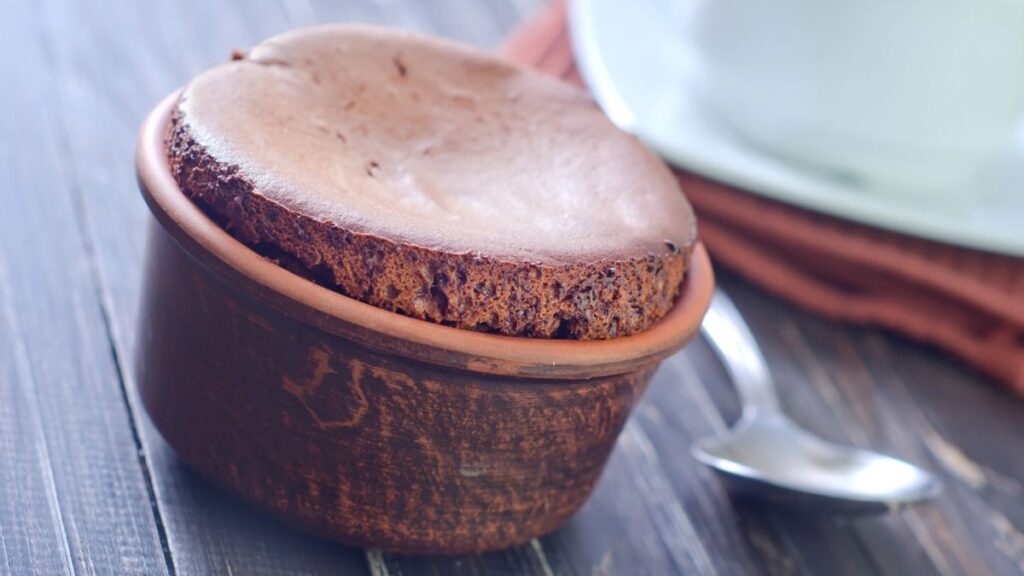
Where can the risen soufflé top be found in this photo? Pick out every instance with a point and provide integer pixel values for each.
(436, 181)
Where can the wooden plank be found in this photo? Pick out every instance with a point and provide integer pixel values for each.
(466, 20)
(114, 60)
(655, 511)
(886, 393)
(521, 560)
(972, 440)
(743, 536)
(205, 533)
(636, 523)
(75, 418)
(32, 535)
(809, 392)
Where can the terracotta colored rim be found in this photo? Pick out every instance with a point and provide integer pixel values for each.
(393, 333)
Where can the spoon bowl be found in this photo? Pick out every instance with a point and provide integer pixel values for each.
(774, 459)
(768, 456)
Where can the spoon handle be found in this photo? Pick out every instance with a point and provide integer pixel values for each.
(732, 340)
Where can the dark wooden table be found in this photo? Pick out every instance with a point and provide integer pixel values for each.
(87, 486)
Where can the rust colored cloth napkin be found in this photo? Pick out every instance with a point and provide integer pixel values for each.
(968, 303)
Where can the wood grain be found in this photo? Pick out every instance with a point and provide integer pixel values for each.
(73, 490)
(66, 388)
(206, 532)
(863, 391)
(32, 532)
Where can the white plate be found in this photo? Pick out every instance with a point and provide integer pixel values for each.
(634, 58)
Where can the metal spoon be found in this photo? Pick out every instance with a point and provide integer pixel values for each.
(767, 455)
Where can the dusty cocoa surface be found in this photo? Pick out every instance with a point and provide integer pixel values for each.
(583, 300)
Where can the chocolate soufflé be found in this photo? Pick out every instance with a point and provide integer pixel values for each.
(436, 181)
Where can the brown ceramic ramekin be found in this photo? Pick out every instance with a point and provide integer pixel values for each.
(362, 425)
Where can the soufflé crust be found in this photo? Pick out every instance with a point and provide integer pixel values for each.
(435, 181)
